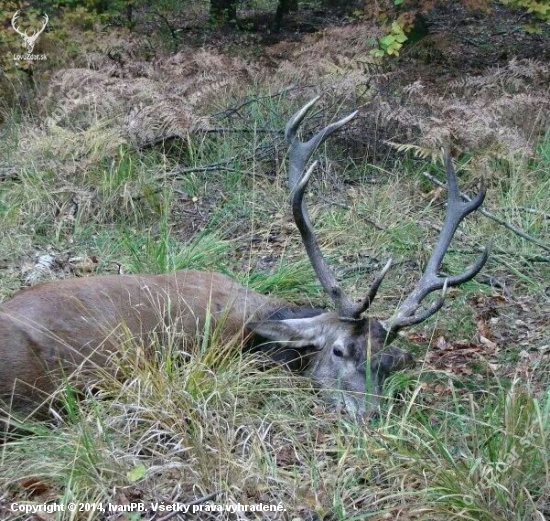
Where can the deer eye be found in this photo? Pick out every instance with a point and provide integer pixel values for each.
(336, 351)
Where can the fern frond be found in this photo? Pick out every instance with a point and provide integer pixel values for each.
(418, 151)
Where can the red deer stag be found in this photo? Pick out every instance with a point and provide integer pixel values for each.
(49, 330)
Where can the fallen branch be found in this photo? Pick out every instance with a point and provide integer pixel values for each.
(366, 267)
(220, 165)
(259, 154)
(493, 282)
(534, 211)
(213, 130)
(245, 130)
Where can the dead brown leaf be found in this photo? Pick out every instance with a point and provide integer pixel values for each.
(286, 456)
(35, 486)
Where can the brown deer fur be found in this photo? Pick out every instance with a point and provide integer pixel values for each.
(49, 330)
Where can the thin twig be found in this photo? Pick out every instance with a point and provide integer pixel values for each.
(365, 267)
(534, 211)
(199, 501)
(260, 153)
(374, 224)
(207, 168)
(246, 130)
(220, 165)
(333, 202)
(490, 280)
(488, 214)
(498, 251)
(346, 207)
(234, 110)
(213, 130)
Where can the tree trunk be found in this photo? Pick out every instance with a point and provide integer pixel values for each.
(223, 11)
(284, 7)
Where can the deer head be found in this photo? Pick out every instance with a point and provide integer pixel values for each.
(29, 40)
(350, 352)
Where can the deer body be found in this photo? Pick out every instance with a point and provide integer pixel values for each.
(49, 330)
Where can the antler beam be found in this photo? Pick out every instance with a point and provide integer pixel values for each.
(457, 210)
(299, 154)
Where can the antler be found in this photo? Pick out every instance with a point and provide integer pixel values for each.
(13, 19)
(457, 210)
(46, 20)
(299, 154)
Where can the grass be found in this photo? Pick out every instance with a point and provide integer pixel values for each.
(465, 435)
(483, 459)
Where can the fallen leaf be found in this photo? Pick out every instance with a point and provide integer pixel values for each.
(483, 328)
(35, 485)
(137, 473)
(487, 342)
(285, 456)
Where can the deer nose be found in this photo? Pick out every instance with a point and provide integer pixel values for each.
(395, 359)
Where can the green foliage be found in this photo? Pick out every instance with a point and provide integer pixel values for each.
(391, 43)
(287, 281)
(539, 8)
(160, 253)
(79, 18)
(544, 151)
(100, 7)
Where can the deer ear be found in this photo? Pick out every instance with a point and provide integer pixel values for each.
(293, 332)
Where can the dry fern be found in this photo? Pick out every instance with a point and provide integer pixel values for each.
(337, 60)
(120, 99)
(416, 151)
(504, 111)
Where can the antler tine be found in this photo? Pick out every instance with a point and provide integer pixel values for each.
(299, 154)
(46, 20)
(369, 298)
(13, 20)
(457, 210)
